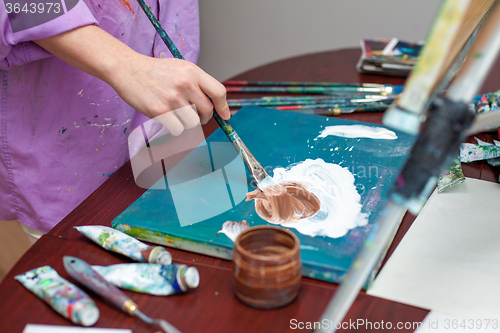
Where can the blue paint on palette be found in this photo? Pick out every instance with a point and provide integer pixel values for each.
(277, 139)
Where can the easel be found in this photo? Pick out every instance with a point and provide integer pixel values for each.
(446, 124)
(446, 45)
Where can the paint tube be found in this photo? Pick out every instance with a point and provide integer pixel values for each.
(119, 242)
(63, 296)
(452, 176)
(153, 279)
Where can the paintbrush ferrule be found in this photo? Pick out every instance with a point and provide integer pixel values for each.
(253, 166)
(129, 307)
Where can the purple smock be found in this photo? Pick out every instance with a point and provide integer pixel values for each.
(64, 132)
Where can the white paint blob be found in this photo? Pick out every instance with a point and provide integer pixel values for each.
(359, 131)
(233, 229)
(334, 186)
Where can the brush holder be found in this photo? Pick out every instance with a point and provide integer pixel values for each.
(267, 267)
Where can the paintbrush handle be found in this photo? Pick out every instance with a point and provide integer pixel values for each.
(304, 100)
(170, 44)
(306, 89)
(304, 83)
(227, 128)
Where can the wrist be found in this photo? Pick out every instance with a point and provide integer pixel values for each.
(91, 50)
(118, 66)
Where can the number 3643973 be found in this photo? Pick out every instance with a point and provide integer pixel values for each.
(33, 8)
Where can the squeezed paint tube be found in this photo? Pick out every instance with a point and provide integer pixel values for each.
(153, 279)
(63, 296)
(451, 176)
(119, 242)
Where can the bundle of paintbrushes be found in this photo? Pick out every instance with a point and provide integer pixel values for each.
(329, 98)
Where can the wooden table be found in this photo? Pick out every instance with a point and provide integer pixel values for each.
(212, 307)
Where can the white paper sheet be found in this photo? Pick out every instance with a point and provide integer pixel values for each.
(34, 328)
(449, 260)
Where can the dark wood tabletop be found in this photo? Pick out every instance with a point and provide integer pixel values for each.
(212, 307)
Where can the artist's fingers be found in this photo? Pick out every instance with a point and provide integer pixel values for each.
(188, 116)
(204, 106)
(217, 93)
(170, 121)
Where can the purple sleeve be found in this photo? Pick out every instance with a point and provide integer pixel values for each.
(17, 30)
(180, 19)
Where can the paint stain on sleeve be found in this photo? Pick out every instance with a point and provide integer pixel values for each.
(127, 4)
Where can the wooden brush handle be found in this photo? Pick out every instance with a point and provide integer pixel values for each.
(227, 128)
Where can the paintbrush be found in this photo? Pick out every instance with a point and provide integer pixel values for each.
(256, 170)
(374, 106)
(310, 90)
(387, 88)
(334, 111)
(303, 100)
(303, 83)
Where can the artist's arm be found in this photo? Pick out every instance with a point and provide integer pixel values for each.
(152, 86)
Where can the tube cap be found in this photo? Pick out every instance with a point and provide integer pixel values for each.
(396, 90)
(85, 313)
(160, 256)
(192, 277)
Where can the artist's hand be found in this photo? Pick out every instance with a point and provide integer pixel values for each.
(155, 87)
(162, 88)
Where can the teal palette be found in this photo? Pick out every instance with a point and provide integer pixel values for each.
(208, 187)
